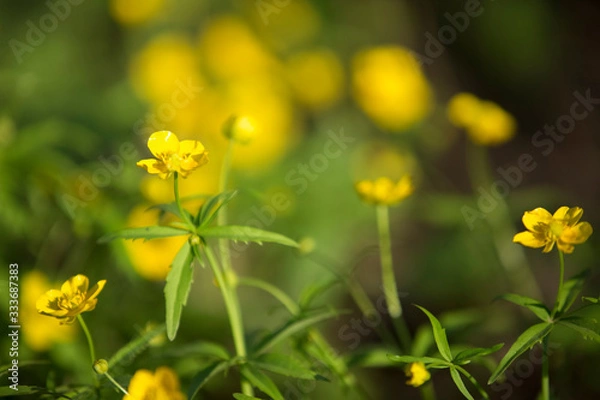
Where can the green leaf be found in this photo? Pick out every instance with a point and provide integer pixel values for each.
(527, 339)
(580, 324)
(146, 233)
(128, 352)
(373, 357)
(439, 335)
(593, 300)
(469, 354)
(170, 208)
(22, 364)
(536, 307)
(177, 289)
(211, 207)
(424, 360)
(200, 349)
(204, 375)
(569, 292)
(261, 381)
(460, 384)
(283, 365)
(293, 326)
(315, 290)
(241, 396)
(245, 234)
(6, 391)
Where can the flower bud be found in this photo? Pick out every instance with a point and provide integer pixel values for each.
(101, 366)
(240, 129)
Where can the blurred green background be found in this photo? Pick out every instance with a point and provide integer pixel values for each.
(84, 83)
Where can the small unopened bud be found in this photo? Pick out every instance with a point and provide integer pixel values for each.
(307, 245)
(240, 129)
(101, 366)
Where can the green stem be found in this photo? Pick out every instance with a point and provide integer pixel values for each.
(182, 212)
(388, 277)
(545, 370)
(110, 378)
(427, 391)
(473, 381)
(232, 304)
(561, 256)
(222, 216)
(90, 341)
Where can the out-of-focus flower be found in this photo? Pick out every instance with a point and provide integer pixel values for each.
(172, 155)
(166, 71)
(316, 77)
(485, 122)
(390, 87)
(39, 332)
(241, 129)
(417, 374)
(383, 191)
(376, 158)
(161, 385)
(230, 50)
(293, 25)
(151, 259)
(133, 12)
(73, 298)
(562, 228)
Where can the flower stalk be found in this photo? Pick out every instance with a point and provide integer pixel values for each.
(90, 341)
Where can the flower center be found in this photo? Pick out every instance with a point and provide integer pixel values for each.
(173, 162)
(556, 228)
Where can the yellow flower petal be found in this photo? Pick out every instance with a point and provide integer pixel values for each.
(568, 216)
(153, 166)
(537, 219)
(75, 285)
(163, 144)
(190, 147)
(577, 234)
(95, 290)
(529, 239)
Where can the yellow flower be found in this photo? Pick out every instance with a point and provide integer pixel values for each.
(390, 87)
(485, 122)
(316, 77)
(39, 332)
(132, 12)
(240, 129)
(162, 385)
(383, 191)
(417, 374)
(172, 155)
(73, 298)
(151, 259)
(562, 228)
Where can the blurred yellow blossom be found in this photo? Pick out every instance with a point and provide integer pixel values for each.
(562, 228)
(73, 298)
(383, 191)
(417, 374)
(316, 77)
(376, 158)
(161, 385)
(230, 50)
(390, 87)
(166, 71)
(133, 12)
(485, 122)
(172, 155)
(151, 259)
(241, 129)
(39, 332)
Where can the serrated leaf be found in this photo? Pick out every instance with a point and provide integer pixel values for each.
(569, 292)
(412, 359)
(211, 207)
(460, 384)
(245, 234)
(469, 354)
(146, 233)
(177, 289)
(261, 381)
(291, 327)
(580, 324)
(283, 365)
(439, 334)
(535, 306)
(203, 376)
(527, 339)
(200, 349)
(241, 396)
(135, 347)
